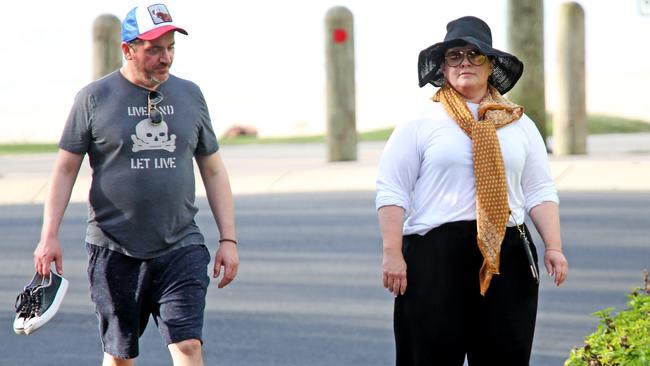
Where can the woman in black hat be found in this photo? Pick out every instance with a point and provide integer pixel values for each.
(453, 190)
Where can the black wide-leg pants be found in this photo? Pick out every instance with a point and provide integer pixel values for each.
(442, 316)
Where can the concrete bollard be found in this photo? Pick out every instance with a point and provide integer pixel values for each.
(107, 54)
(570, 118)
(340, 89)
(526, 41)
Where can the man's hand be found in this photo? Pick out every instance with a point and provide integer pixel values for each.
(46, 252)
(227, 258)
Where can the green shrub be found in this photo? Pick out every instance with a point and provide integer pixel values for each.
(623, 339)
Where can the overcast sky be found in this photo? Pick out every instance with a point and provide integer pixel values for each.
(261, 62)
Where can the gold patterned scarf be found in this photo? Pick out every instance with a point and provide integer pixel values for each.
(492, 209)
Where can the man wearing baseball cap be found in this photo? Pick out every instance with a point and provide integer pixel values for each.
(142, 128)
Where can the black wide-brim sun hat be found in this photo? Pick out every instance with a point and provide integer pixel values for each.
(506, 68)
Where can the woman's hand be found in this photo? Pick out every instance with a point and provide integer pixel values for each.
(393, 265)
(546, 217)
(394, 269)
(556, 265)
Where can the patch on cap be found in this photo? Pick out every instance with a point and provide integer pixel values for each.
(148, 23)
(159, 14)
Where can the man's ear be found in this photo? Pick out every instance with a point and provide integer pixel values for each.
(127, 51)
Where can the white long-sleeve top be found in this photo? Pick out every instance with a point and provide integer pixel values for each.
(427, 169)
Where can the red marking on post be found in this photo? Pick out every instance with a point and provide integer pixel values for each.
(340, 35)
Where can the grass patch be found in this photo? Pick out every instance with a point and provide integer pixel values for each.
(606, 124)
(595, 125)
(599, 125)
(240, 140)
(377, 135)
(28, 148)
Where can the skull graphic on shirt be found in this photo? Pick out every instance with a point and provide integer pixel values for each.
(149, 136)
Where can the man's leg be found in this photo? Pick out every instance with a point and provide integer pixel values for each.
(116, 289)
(182, 284)
(113, 361)
(186, 353)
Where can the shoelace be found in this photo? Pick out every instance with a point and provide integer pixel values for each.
(36, 304)
(24, 303)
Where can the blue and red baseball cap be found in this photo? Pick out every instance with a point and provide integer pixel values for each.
(148, 23)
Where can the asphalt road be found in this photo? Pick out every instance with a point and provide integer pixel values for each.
(309, 290)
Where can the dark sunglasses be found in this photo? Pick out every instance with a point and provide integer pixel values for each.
(153, 99)
(455, 58)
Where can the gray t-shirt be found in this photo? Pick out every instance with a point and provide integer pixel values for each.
(143, 190)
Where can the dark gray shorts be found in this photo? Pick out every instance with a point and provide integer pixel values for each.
(126, 291)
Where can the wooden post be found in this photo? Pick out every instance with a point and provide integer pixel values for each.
(341, 104)
(526, 41)
(107, 54)
(570, 118)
